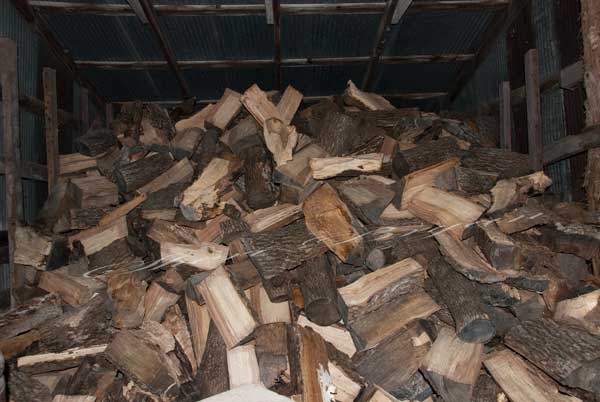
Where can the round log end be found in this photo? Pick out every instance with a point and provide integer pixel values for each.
(477, 331)
(375, 259)
(322, 312)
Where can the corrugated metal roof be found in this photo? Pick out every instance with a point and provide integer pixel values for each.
(321, 80)
(209, 84)
(416, 77)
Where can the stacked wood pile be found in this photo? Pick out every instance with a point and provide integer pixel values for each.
(350, 251)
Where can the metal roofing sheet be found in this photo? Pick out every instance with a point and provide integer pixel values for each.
(321, 80)
(416, 77)
(209, 84)
(129, 85)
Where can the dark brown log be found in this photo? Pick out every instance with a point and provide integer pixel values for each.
(499, 249)
(341, 134)
(504, 163)
(258, 173)
(581, 240)
(473, 181)
(432, 153)
(23, 388)
(317, 283)
(272, 353)
(569, 355)
(486, 389)
(366, 197)
(95, 142)
(462, 298)
(523, 218)
(212, 373)
(274, 253)
(29, 316)
(136, 174)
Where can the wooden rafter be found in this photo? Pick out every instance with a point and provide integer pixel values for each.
(277, 39)
(382, 33)
(152, 19)
(39, 25)
(259, 9)
(502, 21)
(250, 63)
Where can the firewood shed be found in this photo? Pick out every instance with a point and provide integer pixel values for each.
(300, 200)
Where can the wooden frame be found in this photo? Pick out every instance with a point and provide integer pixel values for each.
(51, 127)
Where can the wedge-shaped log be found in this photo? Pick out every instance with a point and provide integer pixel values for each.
(522, 218)
(204, 256)
(122, 210)
(520, 381)
(272, 353)
(43, 363)
(127, 293)
(96, 142)
(267, 311)
(509, 192)
(33, 248)
(317, 283)
(258, 104)
(134, 175)
(499, 249)
(257, 166)
(449, 211)
(182, 171)
(325, 168)
(74, 163)
(196, 120)
(70, 290)
(242, 366)
(227, 308)
(177, 326)
(99, 237)
(94, 192)
(392, 317)
(248, 393)
(335, 334)
(441, 175)
(203, 194)
(377, 288)
(569, 355)
(225, 109)
(162, 231)
(473, 181)
(347, 387)
(29, 315)
(462, 298)
(297, 172)
(365, 100)
(580, 311)
(199, 320)
(330, 220)
(393, 362)
(273, 218)
(289, 103)
(452, 366)
(158, 299)
(367, 197)
(186, 141)
(280, 140)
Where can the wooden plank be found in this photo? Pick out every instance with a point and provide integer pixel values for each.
(84, 110)
(28, 170)
(269, 12)
(572, 145)
(534, 109)
(51, 126)
(110, 113)
(12, 150)
(277, 42)
(400, 10)
(505, 115)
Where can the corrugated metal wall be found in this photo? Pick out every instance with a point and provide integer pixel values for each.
(32, 138)
(484, 87)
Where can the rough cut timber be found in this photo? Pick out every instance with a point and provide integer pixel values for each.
(227, 308)
(377, 288)
(393, 362)
(242, 366)
(186, 141)
(569, 355)
(577, 239)
(199, 320)
(31, 248)
(157, 300)
(127, 294)
(520, 381)
(29, 315)
(452, 366)
(325, 168)
(366, 100)
(175, 322)
(462, 299)
(96, 142)
(43, 363)
(203, 256)
(367, 197)
(275, 252)
(225, 110)
(391, 318)
(509, 192)
(474, 181)
(267, 311)
(298, 172)
(441, 175)
(94, 192)
(257, 166)
(97, 238)
(122, 210)
(281, 139)
(337, 335)
(70, 290)
(317, 283)
(278, 216)
(258, 104)
(202, 194)
(499, 249)
(330, 220)
(134, 175)
(272, 353)
(75, 163)
(347, 388)
(289, 103)
(168, 232)
(180, 172)
(523, 218)
(195, 121)
(248, 393)
(581, 311)
(449, 211)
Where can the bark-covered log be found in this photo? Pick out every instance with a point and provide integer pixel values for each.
(504, 163)
(432, 153)
(258, 177)
(95, 142)
(136, 174)
(318, 288)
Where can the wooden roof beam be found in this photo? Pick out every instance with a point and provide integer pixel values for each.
(38, 24)
(260, 9)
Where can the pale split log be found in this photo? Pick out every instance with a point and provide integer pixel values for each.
(272, 218)
(258, 104)
(248, 393)
(281, 139)
(95, 192)
(74, 163)
(70, 290)
(95, 239)
(182, 171)
(31, 247)
(159, 214)
(175, 322)
(122, 210)
(42, 363)
(158, 299)
(346, 388)
(297, 172)
(196, 120)
(581, 311)
(227, 307)
(199, 320)
(225, 110)
(325, 168)
(267, 311)
(162, 231)
(335, 334)
(204, 256)
(441, 175)
(509, 192)
(452, 366)
(365, 100)
(289, 103)
(242, 366)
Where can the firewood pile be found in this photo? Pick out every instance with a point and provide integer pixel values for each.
(349, 251)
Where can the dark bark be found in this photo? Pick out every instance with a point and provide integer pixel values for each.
(136, 174)
(258, 177)
(95, 142)
(212, 374)
(505, 163)
(317, 283)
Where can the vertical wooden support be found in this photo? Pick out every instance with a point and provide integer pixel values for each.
(110, 114)
(534, 110)
(277, 37)
(12, 151)
(84, 110)
(401, 8)
(51, 126)
(590, 26)
(269, 12)
(505, 115)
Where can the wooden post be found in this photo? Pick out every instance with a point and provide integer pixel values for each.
(401, 8)
(12, 151)
(84, 110)
(277, 40)
(506, 115)
(534, 112)
(51, 120)
(590, 26)
(110, 113)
